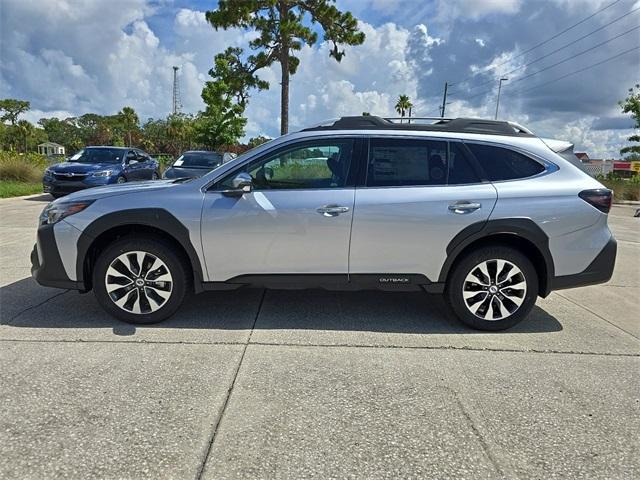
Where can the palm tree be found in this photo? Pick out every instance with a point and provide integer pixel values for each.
(403, 106)
(26, 129)
(129, 120)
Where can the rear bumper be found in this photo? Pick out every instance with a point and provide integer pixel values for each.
(599, 271)
(46, 265)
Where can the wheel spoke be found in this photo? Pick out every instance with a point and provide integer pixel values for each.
(468, 294)
(512, 273)
(157, 295)
(502, 310)
(481, 308)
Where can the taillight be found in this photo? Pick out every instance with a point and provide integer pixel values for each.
(601, 198)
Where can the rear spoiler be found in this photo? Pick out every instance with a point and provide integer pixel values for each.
(565, 150)
(559, 146)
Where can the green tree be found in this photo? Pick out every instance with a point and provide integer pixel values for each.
(282, 30)
(65, 132)
(226, 96)
(26, 130)
(180, 133)
(631, 105)
(129, 120)
(11, 109)
(259, 140)
(403, 105)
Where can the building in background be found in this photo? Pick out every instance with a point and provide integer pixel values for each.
(50, 149)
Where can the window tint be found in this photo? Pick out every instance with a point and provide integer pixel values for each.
(98, 155)
(312, 165)
(402, 162)
(198, 160)
(504, 164)
(461, 171)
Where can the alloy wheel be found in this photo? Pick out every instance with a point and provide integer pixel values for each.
(494, 289)
(138, 282)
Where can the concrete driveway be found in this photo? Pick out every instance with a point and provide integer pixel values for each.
(296, 384)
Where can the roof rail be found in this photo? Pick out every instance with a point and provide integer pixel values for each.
(439, 124)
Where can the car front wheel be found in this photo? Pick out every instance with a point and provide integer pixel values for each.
(140, 280)
(492, 288)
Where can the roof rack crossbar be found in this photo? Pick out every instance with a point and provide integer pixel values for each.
(418, 118)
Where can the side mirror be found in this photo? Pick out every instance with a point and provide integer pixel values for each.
(241, 184)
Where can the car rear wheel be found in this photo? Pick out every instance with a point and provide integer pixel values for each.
(155, 176)
(140, 280)
(492, 288)
(121, 179)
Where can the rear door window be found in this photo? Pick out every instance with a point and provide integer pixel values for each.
(397, 162)
(406, 162)
(461, 170)
(504, 164)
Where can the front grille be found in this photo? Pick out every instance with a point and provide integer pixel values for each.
(70, 177)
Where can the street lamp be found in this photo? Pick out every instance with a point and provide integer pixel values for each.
(498, 99)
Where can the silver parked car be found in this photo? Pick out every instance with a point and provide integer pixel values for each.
(482, 211)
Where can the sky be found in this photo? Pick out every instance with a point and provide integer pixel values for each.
(70, 57)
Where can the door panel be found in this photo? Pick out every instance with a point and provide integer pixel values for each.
(276, 231)
(420, 193)
(407, 229)
(296, 220)
(132, 169)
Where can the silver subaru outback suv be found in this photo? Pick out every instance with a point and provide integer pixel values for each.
(482, 211)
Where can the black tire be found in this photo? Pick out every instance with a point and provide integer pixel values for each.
(121, 179)
(164, 251)
(155, 176)
(492, 307)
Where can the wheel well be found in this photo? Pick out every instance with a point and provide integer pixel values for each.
(107, 237)
(519, 243)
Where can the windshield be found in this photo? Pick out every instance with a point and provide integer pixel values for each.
(98, 155)
(198, 160)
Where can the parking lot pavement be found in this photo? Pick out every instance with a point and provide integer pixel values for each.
(312, 383)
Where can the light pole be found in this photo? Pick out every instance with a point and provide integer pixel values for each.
(498, 99)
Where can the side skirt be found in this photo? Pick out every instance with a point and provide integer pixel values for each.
(404, 282)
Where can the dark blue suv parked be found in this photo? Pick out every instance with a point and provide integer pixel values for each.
(94, 166)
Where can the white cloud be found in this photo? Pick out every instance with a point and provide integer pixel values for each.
(475, 9)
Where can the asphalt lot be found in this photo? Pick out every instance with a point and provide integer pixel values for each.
(293, 384)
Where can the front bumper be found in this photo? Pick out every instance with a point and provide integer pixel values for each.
(64, 187)
(46, 264)
(599, 270)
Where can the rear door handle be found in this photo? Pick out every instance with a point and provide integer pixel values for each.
(464, 207)
(332, 210)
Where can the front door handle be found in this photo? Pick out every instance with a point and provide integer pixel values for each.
(464, 207)
(332, 210)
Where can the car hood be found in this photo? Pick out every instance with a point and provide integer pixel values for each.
(177, 172)
(76, 167)
(97, 193)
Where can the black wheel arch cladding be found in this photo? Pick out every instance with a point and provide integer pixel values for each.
(522, 228)
(157, 218)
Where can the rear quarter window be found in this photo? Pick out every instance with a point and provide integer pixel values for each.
(504, 164)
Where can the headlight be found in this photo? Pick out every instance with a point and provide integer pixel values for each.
(54, 212)
(103, 173)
